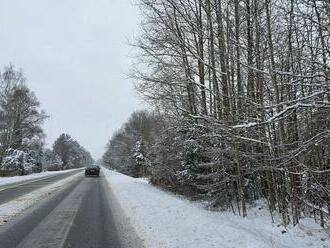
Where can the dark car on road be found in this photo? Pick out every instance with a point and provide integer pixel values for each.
(92, 171)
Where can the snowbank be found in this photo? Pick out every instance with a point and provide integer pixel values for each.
(18, 205)
(162, 220)
(16, 179)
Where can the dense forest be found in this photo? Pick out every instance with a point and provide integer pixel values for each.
(22, 138)
(128, 148)
(66, 153)
(241, 98)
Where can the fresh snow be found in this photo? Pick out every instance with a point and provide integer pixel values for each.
(13, 208)
(16, 179)
(163, 219)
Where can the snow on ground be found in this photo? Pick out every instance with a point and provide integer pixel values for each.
(162, 220)
(16, 179)
(18, 205)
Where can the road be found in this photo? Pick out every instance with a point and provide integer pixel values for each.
(79, 215)
(14, 190)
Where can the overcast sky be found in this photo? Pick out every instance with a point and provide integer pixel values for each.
(75, 55)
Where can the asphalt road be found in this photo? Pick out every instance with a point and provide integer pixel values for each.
(12, 191)
(78, 216)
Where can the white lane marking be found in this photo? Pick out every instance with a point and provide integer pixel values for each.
(53, 230)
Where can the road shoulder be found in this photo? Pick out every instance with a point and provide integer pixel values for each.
(126, 232)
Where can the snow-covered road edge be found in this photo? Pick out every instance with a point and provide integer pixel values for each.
(164, 220)
(125, 230)
(20, 204)
(7, 181)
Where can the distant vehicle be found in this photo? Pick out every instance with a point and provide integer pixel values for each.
(92, 171)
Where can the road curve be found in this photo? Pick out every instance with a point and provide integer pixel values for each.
(78, 216)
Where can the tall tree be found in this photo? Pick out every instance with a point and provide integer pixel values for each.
(21, 118)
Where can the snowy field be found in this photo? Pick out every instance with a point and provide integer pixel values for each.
(16, 179)
(17, 206)
(162, 220)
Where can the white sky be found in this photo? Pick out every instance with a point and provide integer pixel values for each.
(76, 57)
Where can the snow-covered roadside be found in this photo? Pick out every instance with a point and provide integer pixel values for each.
(17, 206)
(164, 220)
(16, 179)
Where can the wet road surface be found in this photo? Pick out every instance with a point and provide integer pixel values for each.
(78, 216)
